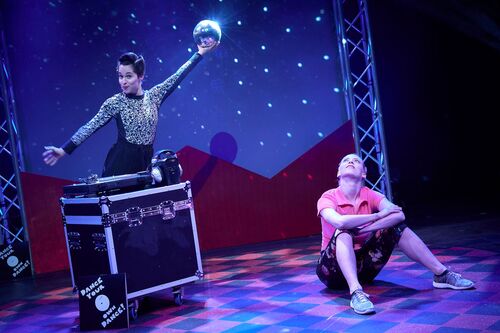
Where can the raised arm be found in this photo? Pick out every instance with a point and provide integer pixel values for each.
(161, 91)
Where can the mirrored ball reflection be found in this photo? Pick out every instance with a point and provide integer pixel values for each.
(206, 33)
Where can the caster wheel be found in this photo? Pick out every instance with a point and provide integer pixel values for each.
(177, 295)
(178, 299)
(133, 308)
(132, 313)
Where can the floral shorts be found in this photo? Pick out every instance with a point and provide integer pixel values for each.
(370, 258)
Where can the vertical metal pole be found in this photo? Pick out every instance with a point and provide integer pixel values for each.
(346, 71)
(9, 107)
(361, 90)
(381, 149)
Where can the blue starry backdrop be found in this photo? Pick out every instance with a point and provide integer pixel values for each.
(268, 94)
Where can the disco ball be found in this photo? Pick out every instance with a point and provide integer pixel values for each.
(206, 33)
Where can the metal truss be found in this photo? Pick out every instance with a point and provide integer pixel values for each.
(361, 91)
(12, 217)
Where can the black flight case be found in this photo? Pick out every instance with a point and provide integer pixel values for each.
(149, 234)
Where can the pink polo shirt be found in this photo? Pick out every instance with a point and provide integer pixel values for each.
(368, 203)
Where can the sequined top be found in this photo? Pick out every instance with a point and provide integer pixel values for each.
(136, 116)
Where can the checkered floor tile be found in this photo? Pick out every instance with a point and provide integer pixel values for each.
(273, 288)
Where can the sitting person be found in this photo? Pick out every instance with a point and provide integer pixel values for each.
(360, 228)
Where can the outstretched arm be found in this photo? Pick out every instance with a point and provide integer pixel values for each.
(52, 154)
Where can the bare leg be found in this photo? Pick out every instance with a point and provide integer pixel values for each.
(416, 250)
(347, 260)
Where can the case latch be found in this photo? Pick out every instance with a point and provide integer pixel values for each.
(133, 216)
(167, 210)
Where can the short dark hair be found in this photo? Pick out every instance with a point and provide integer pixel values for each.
(137, 62)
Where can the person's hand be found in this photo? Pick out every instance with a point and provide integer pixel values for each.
(52, 154)
(207, 47)
(388, 211)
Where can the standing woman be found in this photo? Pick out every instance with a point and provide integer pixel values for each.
(136, 113)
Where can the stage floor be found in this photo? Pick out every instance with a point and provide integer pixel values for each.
(272, 287)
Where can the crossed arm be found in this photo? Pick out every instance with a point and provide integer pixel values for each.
(388, 215)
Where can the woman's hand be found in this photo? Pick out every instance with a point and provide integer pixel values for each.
(52, 154)
(388, 211)
(208, 46)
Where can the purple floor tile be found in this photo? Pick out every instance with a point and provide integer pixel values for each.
(275, 290)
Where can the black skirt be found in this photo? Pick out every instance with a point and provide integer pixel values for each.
(125, 158)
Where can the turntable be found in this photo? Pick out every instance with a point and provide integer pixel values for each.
(93, 186)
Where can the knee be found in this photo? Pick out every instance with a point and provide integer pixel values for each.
(406, 236)
(406, 231)
(344, 237)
